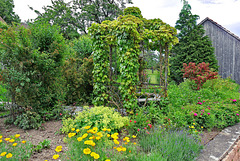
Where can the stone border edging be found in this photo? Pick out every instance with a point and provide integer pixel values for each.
(221, 145)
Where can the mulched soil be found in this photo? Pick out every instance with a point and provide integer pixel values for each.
(51, 132)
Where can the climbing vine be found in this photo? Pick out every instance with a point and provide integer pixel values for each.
(128, 35)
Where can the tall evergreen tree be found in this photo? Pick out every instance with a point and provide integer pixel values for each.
(193, 46)
(7, 13)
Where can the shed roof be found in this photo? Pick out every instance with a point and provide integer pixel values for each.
(221, 27)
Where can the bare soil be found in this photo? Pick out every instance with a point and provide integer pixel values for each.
(51, 132)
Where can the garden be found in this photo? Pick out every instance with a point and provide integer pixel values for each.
(58, 98)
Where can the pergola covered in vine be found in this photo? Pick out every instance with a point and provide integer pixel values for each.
(128, 37)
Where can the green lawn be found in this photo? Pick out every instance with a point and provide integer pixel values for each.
(154, 77)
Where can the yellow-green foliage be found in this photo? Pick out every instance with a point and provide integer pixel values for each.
(100, 116)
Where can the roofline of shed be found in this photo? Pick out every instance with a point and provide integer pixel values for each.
(221, 27)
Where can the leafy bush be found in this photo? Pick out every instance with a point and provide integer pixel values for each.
(216, 104)
(78, 75)
(28, 120)
(31, 60)
(200, 73)
(165, 144)
(100, 117)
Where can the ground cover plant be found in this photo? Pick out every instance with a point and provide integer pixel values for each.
(14, 148)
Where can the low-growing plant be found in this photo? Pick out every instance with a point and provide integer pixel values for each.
(100, 117)
(94, 144)
(45, 144)
(14, 148)
(169, 144)
(28, 120)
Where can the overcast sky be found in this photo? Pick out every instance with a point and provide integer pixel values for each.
(224, 12)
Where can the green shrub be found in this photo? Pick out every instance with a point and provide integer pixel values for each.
(167, 144)
(31, 60)
(100, 117)
(28, 120)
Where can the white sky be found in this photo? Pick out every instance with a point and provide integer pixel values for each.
(224, 12)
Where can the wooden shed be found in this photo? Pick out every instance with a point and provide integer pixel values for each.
(227, 49)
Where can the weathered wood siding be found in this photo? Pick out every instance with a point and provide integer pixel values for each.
(227, 51)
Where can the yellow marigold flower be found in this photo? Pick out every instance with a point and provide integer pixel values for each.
(17, 135)
(119, 149)
(0, 140)
(73, 129)
(14, 144)
(104, 129)
(58, 148)
(71, 134)
(0, 136)
(56, 156)
(192, 127)
(91, 138)
(134, 143)
(108, 135)
(100, 134)
(202, 127)
(77, 130)
(92, 154)
(87, 127)
(11, 141)
(86, 151)
(96, 156)
(124, 149)
(107, 160)
(114, 147)
(84, 135)
(134, 136)
(93, 144)
(195, 130)
(116, 142)
(79, 138)
(9, 155)
(23, 141)
(108, 130)
(7, 139)
(3, 153)
(193, 123)
(126, 143)
(98, 138)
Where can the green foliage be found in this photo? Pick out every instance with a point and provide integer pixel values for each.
(135, 11)
(7, 13)
(82, 47)
(78, 75)
(28, 120)
(208, 107)
(79, 15)
(31, 60)
(126, 34)
(193, 45)
(200, 73)
(165, 144)
(77, 71)
(100, 117)
(45, 144)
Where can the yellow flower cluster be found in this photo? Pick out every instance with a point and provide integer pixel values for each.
(121, 149)
(71, 134)
(90, 142)
(10, 140)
